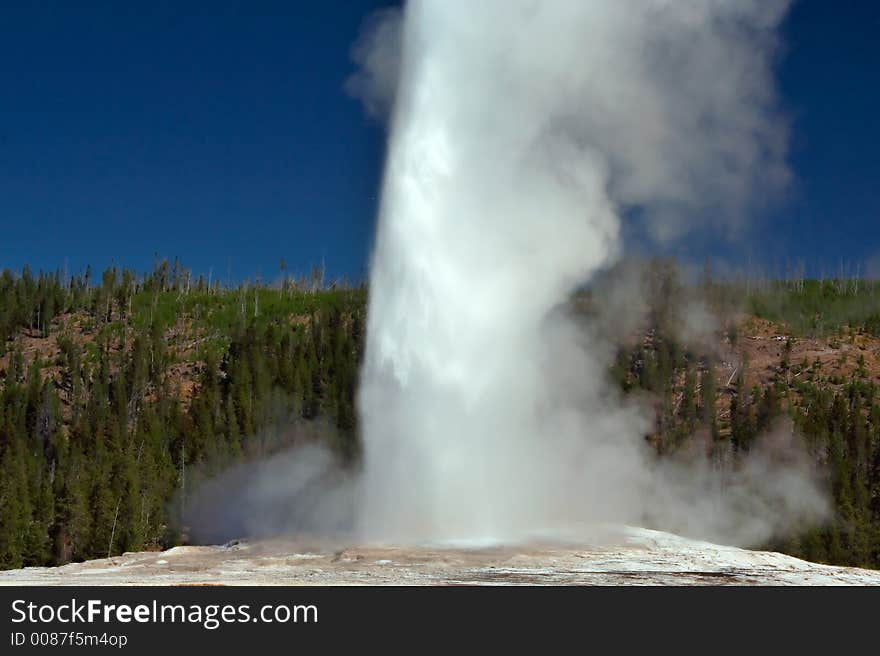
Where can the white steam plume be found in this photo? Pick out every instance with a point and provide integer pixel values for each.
(522, 131)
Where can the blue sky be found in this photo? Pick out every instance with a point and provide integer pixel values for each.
(221, 134)
(829, 81)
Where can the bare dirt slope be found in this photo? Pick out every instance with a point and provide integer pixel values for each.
(761, 349)
(624, 556)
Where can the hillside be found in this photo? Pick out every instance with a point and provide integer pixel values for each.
(119, 398)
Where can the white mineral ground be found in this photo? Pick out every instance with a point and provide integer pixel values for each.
(621, 556)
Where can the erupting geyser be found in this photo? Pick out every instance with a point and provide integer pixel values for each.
(521, 132)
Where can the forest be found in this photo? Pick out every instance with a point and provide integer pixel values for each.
(119, 393)
(114, 392)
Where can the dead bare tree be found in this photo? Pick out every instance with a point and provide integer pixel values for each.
(113, 530)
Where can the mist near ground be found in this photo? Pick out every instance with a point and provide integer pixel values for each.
(301, 490)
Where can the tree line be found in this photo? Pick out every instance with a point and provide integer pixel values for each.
(99, 440)
(836, 418)
(118, 392)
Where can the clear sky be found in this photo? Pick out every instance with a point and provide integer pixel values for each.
(830, 84)
(220, 133)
